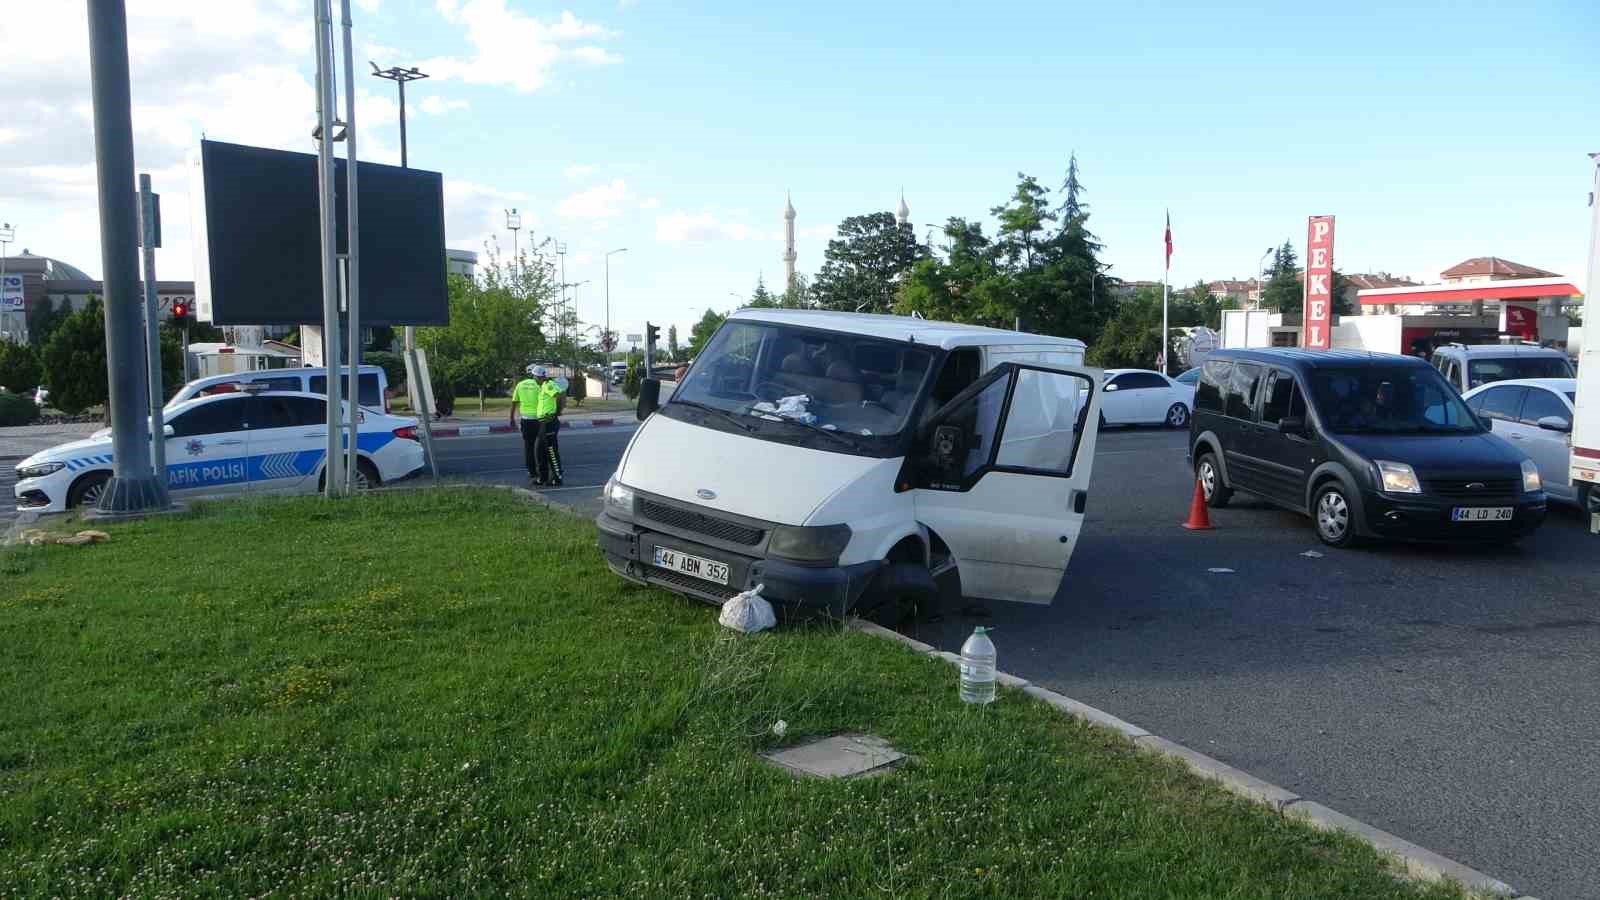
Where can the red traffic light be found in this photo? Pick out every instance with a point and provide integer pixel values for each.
(180, 310)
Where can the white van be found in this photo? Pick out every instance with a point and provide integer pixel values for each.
(372, 381)
(843, 459)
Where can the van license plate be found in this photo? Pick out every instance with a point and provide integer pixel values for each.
(704, 569)
(1481, 514)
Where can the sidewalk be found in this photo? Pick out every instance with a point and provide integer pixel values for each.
(20, 441)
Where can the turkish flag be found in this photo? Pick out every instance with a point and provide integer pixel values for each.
(1169, 239)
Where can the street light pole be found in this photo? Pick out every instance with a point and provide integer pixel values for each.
(7, 235)
(399, 76)
(514, 222)
(1261, 277)
(608, 292)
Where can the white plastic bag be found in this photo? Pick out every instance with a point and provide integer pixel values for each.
(748, 613)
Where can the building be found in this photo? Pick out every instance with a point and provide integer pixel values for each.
(461, 262)
(1513, 300)
(65, 286)
(788, 243)
(1239, 292)
(1490, 268)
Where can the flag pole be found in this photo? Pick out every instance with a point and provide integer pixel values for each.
(1166, 340)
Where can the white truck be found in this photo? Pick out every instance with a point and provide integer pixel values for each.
(1585, 456)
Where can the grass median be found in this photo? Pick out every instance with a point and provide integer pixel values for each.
(460, 699)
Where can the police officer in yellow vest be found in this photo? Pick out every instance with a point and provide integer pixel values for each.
(539, 401)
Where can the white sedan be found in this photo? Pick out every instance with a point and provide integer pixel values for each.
(228, 444)
(1142, 396)
(1535, 415)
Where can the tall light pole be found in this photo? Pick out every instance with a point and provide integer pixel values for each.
(514, 222)
(8, 233)
(1261, 277)
(561, 317)
(399, 76)
(609, 254)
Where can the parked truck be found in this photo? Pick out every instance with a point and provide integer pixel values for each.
(1585, 456)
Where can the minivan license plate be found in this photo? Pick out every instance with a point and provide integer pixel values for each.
(704, 569)
(1481, 514)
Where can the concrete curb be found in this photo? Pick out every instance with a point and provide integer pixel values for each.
(1417, 862)
(452, 431)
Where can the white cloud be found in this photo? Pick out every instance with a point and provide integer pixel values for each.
(650, 203)
(577, 171)
(475, 213)
(435, 105)
(369, 5)
(599, 202)
(513, 49)
(682, 227)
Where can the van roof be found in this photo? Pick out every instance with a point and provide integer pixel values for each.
(1473, 351)
(1314, 359)
(944, 335)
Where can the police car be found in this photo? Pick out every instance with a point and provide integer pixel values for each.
(228, 444)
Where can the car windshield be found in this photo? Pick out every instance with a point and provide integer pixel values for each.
(1389, 400)
(1503, 368)
(822, 389)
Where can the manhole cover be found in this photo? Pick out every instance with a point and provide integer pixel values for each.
(840, 756)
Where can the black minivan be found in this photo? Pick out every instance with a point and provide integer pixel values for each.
(1367, 444)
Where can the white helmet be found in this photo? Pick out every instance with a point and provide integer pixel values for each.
(537, 371)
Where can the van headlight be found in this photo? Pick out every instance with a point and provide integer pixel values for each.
(39, 470)
(1530, 477)
(1397, 477)
(618, 499)
(810, 544)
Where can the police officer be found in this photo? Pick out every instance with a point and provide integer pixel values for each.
(540, 402)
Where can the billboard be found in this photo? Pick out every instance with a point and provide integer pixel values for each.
(1318, 308)
(11, 293)
(257, 240)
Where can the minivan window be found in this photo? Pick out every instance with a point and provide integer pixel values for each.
(371, 394)
(1241, 399)
(1491, 369)
(1389, 400)
(823, 389)
(1214, 376)
(1282, 398)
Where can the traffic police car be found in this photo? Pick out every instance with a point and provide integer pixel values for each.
(225, 445)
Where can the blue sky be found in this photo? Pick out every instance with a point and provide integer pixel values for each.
(1433, 133)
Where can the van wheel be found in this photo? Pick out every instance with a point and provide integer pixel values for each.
(1205, 469)
(1334, 516)
(1588, 499)
(902, 592)
(1177, 416)
(86, 491)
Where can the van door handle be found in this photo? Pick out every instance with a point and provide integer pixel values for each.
(1515, 436)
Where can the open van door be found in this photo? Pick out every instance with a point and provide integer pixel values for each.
(1001, 474)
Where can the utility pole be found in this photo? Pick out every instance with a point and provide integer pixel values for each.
(352, 260)
(133, 487)
(8, 234)
(514, 222)
(609, 254)
(149, 240)
(413, 367)
(331, 480)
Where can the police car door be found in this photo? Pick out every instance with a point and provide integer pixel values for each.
(1002, 476)
(288, 438)
(207, 452)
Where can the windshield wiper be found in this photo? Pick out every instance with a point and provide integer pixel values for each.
(842, 437)
(730, 417)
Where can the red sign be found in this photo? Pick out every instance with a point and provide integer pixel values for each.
(1318, 309)
(1521, 320)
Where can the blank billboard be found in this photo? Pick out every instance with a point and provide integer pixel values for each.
(258, 248)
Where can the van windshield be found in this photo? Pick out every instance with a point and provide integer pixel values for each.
(823, 389)
(1490, 369)
(1389, 400)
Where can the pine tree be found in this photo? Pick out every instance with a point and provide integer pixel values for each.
(761, 298)
(1023, 219)
(674, 352)
(1283, 291)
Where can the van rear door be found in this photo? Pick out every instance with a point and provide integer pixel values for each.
(1001, 475)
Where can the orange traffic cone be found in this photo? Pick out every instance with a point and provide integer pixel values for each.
(1199, 516)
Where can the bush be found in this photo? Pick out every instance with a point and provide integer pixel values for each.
(444, 393)
(393, 364)
(631, 381)
(19, 367)
(577, 387)
(75, 360)
(16, 409)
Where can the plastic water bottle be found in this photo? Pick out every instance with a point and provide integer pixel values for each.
(977, 667)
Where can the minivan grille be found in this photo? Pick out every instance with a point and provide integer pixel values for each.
(700, 523)
(1480, 489)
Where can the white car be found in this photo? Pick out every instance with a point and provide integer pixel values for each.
(1535, 415)
(225, 445)
(1142, 396)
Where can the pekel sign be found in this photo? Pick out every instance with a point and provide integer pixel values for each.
(1318, 308)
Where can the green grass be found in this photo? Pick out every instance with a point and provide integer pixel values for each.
(463, 701)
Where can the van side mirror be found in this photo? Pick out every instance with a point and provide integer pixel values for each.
(1556, 423)
(168, 431)
(1294, 425)
(1485, 420)
(649, 398)
(1111, 387)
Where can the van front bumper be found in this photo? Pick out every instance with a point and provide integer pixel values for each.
(830, 590)
(1424, 518)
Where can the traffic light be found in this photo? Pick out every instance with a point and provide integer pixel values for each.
(180, 312)
(651, 334)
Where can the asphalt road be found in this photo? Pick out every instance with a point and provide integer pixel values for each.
(1446, 695)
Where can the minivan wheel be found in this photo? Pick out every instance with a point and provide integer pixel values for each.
(1216, 493)
(1178, 416)
(1335, 518)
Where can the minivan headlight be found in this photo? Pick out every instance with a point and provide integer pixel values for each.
(1397, 477)
(1530, 477)
(814, 544)
(618, 499)
(39, 470)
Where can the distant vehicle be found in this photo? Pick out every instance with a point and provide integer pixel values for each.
(1144, 397)
(1369, 445)
(1190, 378)
(228, 444)
(1469, 366)
(372, 381)
(619, 372)
(1536, 415)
